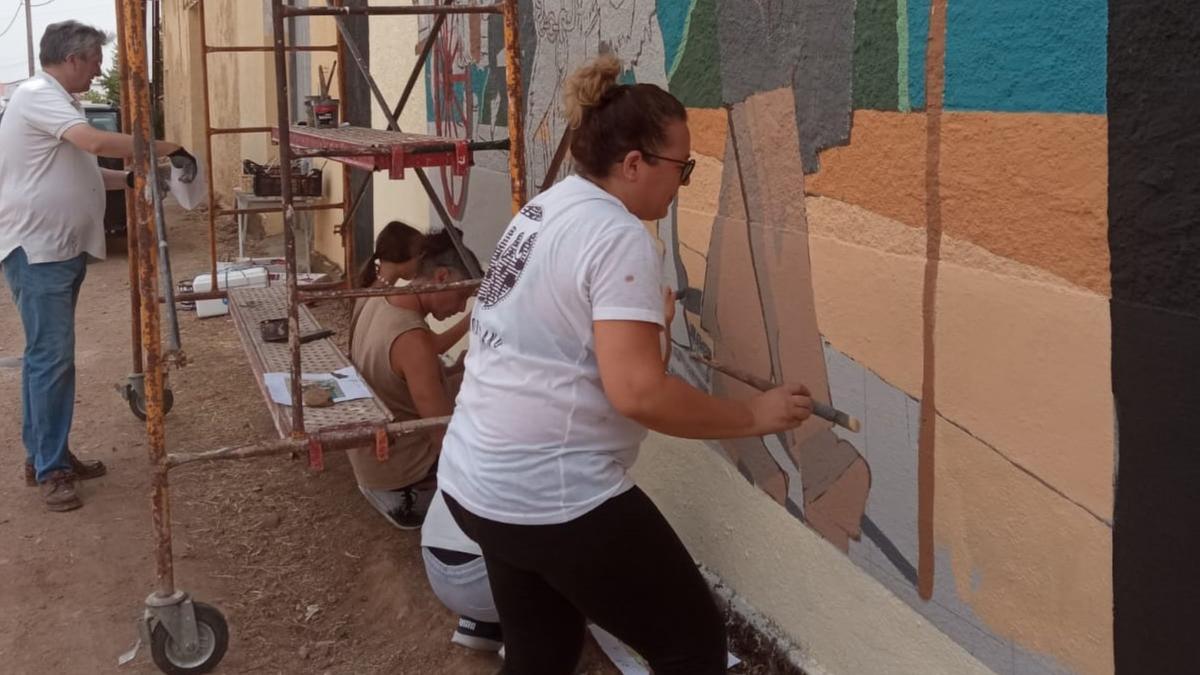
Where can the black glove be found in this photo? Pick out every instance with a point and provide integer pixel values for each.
(184, 161)
(164, 176)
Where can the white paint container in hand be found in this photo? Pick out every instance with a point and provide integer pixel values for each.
(250, 277)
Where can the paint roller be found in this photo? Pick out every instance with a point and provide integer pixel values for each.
(691, 299)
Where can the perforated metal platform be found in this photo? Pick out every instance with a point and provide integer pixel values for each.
(249, 306)
(391, 151)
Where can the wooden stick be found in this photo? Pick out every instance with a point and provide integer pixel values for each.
(822, 410)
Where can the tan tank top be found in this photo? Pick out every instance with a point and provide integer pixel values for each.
(377, 325)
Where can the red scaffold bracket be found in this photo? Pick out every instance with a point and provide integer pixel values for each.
(396, 169)
(462, 157)
(316, 453)
(383, 445)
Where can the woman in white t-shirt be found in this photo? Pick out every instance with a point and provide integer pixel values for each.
(564, 376)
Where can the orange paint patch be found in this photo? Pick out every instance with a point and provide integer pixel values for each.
(695, 228)
(709, 127)
(1031, 187)
(883, 168)
(1027, 187)
(1035, 568)
(1027, 368)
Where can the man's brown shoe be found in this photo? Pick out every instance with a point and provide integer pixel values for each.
(58, 492)
(87, 469)
(84, 469)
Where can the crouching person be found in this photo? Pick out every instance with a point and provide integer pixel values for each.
(458, 576)
(397, 353)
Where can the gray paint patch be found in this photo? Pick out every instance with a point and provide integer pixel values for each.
(1025, 663)
(10, 362)
(888, 442)
(976, 580)
(805, 44)
(889, 550)
(488, 212)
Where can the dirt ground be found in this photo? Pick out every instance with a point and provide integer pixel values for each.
(310, 578)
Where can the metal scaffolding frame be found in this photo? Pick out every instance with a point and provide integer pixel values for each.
(187, 634)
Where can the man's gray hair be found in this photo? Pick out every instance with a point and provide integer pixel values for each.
(68, 38)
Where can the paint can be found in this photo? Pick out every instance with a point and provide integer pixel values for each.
(322, 112)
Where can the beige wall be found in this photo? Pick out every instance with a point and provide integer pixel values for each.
(323, 31)
(393, 42)
(393, 55)
(240, 85)
(182, 77)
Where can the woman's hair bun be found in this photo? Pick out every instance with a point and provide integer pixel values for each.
(586, 86)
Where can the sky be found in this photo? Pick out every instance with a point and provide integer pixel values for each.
(13, 63)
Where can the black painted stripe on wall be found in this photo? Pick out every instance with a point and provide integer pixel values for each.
(1154, 242)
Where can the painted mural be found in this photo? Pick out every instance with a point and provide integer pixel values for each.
(902, 204)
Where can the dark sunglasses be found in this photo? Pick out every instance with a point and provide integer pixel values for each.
(685, 173)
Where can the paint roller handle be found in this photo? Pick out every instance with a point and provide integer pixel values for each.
(822, 410)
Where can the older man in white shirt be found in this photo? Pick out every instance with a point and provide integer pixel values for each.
(51, 221)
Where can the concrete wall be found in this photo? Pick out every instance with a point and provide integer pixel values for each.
(923, 240)
(241, 86)
(183, 83)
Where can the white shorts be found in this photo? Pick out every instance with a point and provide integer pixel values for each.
(462, 588)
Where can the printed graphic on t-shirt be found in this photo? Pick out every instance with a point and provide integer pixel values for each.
(532, 212)
(490, 338)
(509, 260)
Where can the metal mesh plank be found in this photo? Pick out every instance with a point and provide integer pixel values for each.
(362, 136)
(249, 306)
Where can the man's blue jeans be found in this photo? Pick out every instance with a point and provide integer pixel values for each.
(45, 295)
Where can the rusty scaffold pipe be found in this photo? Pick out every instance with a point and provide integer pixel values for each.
(133, 52)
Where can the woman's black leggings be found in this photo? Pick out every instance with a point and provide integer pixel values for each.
(620, 566)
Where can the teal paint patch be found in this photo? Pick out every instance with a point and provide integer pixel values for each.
(875, 55)
(627, 77)
(458, 111)
(672, 21)
(1027, 56)
(696, 77)
(479, 80)
(429, 91)
(903, 103)
(918, 37)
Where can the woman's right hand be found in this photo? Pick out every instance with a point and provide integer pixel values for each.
(779, 409)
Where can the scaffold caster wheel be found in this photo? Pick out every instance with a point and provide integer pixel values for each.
(137, 404)
(213, 634)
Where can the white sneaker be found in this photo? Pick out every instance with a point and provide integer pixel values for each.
(479, 635)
